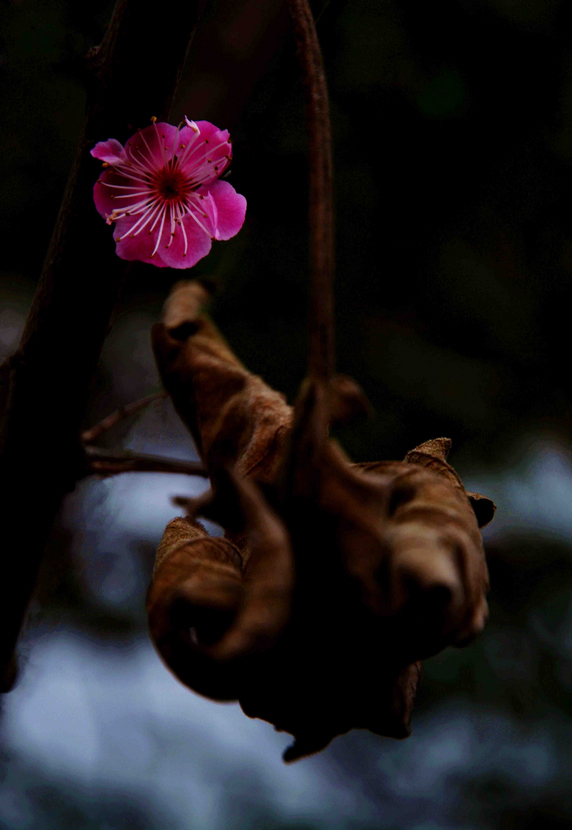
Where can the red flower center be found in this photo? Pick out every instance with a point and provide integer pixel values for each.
(172, 184)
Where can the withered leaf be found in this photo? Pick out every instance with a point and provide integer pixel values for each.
(334, 580)
(196, 590)
(232, 415)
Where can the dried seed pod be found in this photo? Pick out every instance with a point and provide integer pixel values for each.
(351, 574)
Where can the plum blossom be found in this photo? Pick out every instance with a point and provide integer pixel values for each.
(164, 195)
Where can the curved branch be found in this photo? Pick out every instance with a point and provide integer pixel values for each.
(321, 315)
(132, 76)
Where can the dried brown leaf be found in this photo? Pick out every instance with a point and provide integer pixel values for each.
(351, 574)
(235, 419)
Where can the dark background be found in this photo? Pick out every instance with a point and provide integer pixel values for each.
(452, 126)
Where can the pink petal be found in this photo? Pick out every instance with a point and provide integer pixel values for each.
(198, 245)
(110, 151)
(210, 151)
(141, 246)
(205, 209)
(212, 133)
(152, 147)
(102, 199)
(109, 186)
(231, 208)
(188, 140)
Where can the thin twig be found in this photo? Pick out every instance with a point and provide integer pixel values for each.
(321, 323)
(108, 463)
(92, 434)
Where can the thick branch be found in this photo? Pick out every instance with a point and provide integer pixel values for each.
(321, 360)
(133, 75)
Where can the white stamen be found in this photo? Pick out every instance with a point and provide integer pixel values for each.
(173, 226)
(134, 165)
(148, 164)
(160, 234)
(147, 193)
(208, 152)
(174, 151)
(193, 125)
(184, 236)
(127, 173)
(122, 186)
(131, 210)
(190, 148)
(200, 224)
(152, 228)
(145, 219)
(152, 161)
(160, 143)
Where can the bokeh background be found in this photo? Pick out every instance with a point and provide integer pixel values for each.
(452, 126)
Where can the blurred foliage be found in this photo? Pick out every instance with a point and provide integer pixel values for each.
(452, 131)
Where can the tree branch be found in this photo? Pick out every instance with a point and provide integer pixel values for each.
(109, 463)
(321, 313)
(132, 76)
(96, 431)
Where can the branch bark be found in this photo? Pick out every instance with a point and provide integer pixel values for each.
(132, 75)
(93, 433)
(109, 463)
(321, 213)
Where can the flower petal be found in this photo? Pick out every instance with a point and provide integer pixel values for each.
(207, 155)
(111, 185)
(205, 210)
(110, 151)
(102, 199)
(141, 245)
(152, 147)
(188, 141)
(198, 245)
(231, 208)
(211, 133)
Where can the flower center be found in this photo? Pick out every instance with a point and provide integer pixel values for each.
(171, 184)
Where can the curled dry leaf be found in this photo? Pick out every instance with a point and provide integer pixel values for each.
(334, 579)
(196, 590)
(234, 418)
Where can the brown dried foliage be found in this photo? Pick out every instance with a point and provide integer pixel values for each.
(334, 580)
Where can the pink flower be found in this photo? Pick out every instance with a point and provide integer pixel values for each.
(163, 192)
